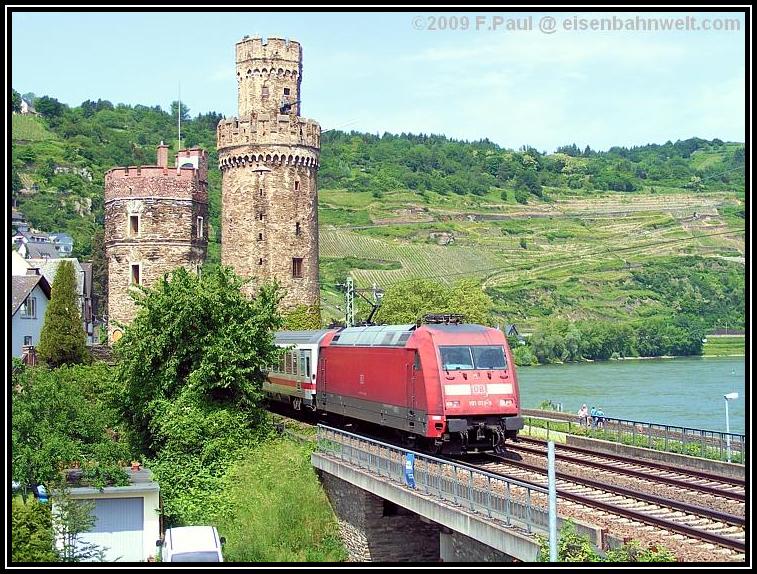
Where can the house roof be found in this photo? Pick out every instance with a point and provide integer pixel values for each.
(41, 251)
(23, 285)
(49, 268)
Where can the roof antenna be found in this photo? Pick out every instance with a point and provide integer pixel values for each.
(179, 114)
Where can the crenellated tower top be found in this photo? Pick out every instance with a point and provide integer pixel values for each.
(269, 73)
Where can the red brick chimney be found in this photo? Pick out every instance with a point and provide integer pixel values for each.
(162, 155)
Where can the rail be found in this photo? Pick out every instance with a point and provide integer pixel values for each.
(668, 438)
(479, 491)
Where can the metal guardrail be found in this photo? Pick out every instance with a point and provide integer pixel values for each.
(667, 438)
(492, 495)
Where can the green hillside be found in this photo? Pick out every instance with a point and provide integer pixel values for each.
(621, 235)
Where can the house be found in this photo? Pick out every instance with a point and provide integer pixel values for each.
(38, 251)
(127, 518)
(30, 295)
(512, 331)
(63, 242)
(18, 221)
(49, 268)
(27, 108)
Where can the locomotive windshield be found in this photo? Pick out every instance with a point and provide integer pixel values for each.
(483, 357)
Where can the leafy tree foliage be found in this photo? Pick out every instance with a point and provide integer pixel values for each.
(99, 273)
(575, 547)
(196, 335)
(302, 318)
(60, 417)
(63, 340)
(408, 301)
(16, 101)
(32, 536)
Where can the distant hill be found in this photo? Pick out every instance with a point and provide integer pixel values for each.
(571, 234)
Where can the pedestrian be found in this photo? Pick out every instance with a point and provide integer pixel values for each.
(593, 414)
(583, 415)
(600, 417)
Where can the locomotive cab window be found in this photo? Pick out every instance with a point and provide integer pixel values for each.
(482, 357)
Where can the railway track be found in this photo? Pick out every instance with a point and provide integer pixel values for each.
(697, 482)
(632, 510)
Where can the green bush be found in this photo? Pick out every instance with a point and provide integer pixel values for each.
(32, 537)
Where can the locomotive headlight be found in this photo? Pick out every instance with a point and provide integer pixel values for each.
(505, 402)
(453, 404)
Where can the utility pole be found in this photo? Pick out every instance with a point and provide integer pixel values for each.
(349, 303)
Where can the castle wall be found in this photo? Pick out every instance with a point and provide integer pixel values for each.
(269, 162)
(166, 204)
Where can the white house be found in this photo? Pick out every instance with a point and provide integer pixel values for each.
(29, 300)
(127, 518)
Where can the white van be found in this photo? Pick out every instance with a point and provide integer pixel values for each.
(191, 544)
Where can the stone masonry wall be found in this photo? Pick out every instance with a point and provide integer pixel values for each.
(269, 161)
(374, 530)
(261, 213)
(167, 206)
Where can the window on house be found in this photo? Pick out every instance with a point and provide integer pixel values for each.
(297, 186)
(264, 93)
(286, 91)
(297, 267)
(27, 341)
(134, 225)
(29, 308)
(200, 231)
(135, 274)
(297, 229)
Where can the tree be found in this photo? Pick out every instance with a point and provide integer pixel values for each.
(16, 101)
(184, 111)
(72, 518)
(49, 107)
(99, 273)
(197, 336)
(32, 536)
(408, 301)
(63, 340)
(63, 416)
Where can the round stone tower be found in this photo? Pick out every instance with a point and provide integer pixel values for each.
(268, 158)
(156, 219)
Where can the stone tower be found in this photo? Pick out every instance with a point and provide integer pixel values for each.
(268, 158)
(156, 219)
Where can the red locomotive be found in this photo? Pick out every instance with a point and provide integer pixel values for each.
(444, 388)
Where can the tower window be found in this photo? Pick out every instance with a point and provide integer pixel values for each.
(200, 231)
(261, 192)
(286, 91)
(297, 267)
(297, 186)
(260, 237)
(134, 225)
(260, 216)
(264, 92)
(260, 261)
(136, 274)
(297, 229)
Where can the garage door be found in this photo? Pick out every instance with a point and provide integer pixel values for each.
(118, 529)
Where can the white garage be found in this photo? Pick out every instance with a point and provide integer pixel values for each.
(127, 518)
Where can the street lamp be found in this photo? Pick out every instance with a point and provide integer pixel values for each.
(728, 397)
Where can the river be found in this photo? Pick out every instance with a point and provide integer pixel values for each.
(681, 392)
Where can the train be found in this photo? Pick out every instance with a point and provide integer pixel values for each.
(440, 388)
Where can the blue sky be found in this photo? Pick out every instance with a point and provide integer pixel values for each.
(379, 72)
